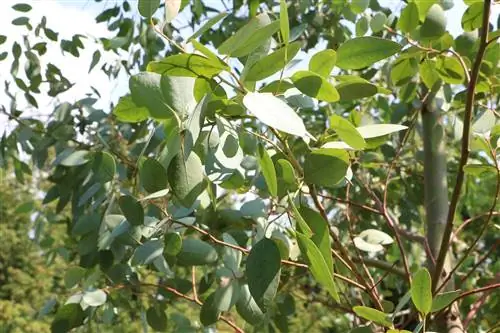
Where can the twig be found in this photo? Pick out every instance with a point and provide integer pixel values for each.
(469, 106)
(481, 232)
(194, 300)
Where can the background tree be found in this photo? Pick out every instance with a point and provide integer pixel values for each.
(230, 189)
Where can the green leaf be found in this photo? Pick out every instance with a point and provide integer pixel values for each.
(423, 7)
(67, 317)
(409, 18)
(209, 314)
(374, 315)
(209, 24)
(76, 158)
(272, 63)
(434, 25)
(444, 300)
(128, 112)
(22, 7)
(361, 26)
(361, 52)
(247, 308)
(359, 6)
(377, 130)
(275, 113)
(450, 70)
(104, 167)
(194, 124)
(263, 269)
(173, 244)
(96, 56)
(186, 178)
(157, 318)
(268, 171)
(428, 73)
(326, 167)
(226, 296)
(132, 209)
(147, 253)
(148, 7)
(317, 264)
(403, 70)
(356, 89)
(188, 64)
(479, 169)
(302, 225)
(473, 16)
(377, 22)
(156, 195)
(321, 234)
(421, 291)
(195, 252)
(73, 276)
(322, 62)
(153, 175)
(94, 298)
(86, 224)
(146, 92)
(315, 86)
(178, 95)
(284, 24)
(250, 36)
(347, 132)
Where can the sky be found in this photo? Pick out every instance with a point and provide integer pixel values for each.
(69, 17)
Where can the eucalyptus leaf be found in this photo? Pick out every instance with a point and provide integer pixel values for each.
(275, 113)
(421, 291)
(361, 52)
(263, 270)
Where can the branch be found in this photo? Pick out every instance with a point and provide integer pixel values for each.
(193, 300)
(469, 106)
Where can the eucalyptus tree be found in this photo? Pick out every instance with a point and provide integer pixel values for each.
(365, 185)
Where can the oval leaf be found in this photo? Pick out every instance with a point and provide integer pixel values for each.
(94, 298)
(322, 63)
(248, 309)
(195, 252)
(347, 132)
(421, 291)
(153, 176)
(186, 178)
(315, 86)
(326, 167)
(132, 209)
(272, 63)
(361, 52)
(263, 269)
(275, 113)
(444, 300)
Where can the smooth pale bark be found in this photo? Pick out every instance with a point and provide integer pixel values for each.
(436, 204)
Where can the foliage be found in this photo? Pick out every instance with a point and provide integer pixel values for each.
(229, 190)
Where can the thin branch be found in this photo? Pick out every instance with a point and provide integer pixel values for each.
(469, 106)
(246, 251)
(481, 232)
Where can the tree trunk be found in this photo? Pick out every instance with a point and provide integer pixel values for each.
(436, 205)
